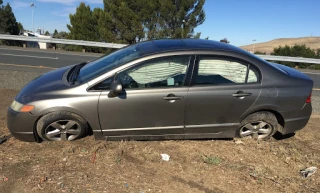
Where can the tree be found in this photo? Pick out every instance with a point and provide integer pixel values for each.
(132, 21)
(47, 33)
(20, 26)
(8, 24)
(178, 18)
(197, 35)
(175, 18)
(2, 25)
(83, 26)
(296, 51)
(318, 53)
(106, 29)
(260, 53)
(225, 40)
(55, 33)
(98, 16)
(61, 35)
(126, 19)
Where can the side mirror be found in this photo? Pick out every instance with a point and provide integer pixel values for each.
(115, 88)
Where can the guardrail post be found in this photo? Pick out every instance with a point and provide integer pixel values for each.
(24, 45)
(83, 50)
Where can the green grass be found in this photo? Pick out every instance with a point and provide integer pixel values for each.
(212, 160)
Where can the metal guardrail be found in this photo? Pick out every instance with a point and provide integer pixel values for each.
(112, 45)
(61, 41)
(290, 59)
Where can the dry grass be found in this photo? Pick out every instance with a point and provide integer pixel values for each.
(312, 42)
(87, 165)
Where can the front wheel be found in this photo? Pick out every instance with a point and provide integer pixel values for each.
(260, 126)
(61, 126)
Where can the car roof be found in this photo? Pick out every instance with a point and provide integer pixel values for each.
(168, 45)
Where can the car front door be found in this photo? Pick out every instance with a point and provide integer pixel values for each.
(222, 89)
(153, 100)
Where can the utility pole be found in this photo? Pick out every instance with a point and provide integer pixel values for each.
(32, 7)
(183, 23)
(253, 46)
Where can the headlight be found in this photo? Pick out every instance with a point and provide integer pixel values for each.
(16, 106)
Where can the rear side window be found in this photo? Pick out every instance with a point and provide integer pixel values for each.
(215, 71)
(253, 75)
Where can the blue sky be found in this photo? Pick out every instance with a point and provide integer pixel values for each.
(240, 21)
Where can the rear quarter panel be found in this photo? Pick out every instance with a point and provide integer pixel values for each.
(281, 92)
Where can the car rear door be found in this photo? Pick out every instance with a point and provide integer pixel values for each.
(153, 101)
(222, 89)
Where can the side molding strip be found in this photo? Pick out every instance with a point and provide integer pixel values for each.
(212, 125)
(144, 128)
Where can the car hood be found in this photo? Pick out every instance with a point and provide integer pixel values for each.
(48, 82)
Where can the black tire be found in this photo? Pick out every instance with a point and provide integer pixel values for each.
(254, 122)
(47, 126)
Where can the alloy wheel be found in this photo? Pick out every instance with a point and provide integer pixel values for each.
(63, 130)
(257, 130)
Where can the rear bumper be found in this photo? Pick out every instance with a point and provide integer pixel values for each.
(295, 121)
(21, 125)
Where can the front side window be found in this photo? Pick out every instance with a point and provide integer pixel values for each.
(214, 71)
(161, 72)
(155, 73)
(104, 85)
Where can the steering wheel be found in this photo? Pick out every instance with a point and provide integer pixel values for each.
(133, 84)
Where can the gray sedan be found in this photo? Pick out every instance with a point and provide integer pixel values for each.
(164, 89)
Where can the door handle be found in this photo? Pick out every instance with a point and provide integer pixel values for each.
(172, 97)
(241, 94)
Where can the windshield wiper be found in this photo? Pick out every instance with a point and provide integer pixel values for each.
(75, 72)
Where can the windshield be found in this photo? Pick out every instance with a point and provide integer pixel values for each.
(108, 62)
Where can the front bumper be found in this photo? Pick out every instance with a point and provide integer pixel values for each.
(21, 125)
(297, 120)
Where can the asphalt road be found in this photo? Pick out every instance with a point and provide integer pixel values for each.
(14, 58)
(315, 76)
(47, 58)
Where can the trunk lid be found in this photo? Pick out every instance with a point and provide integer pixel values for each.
(291, 71)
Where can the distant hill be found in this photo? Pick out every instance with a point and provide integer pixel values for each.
(312, 42)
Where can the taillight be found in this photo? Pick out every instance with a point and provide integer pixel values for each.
(309, 99)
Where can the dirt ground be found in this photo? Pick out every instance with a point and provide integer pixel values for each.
(215, 166)
(311, 42)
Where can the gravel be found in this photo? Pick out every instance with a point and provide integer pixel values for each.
(16, 77)
(316, 102)
(15, 80)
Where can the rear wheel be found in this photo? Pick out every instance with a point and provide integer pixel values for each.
(61, 126)
(259, 126)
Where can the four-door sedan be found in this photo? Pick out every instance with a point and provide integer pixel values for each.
(164, 89)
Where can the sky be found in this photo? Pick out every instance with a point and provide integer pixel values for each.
(240, 21)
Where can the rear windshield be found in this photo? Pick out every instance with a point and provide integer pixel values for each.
(108, 62)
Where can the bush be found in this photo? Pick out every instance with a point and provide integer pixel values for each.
(260, 53)
(298, 51)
